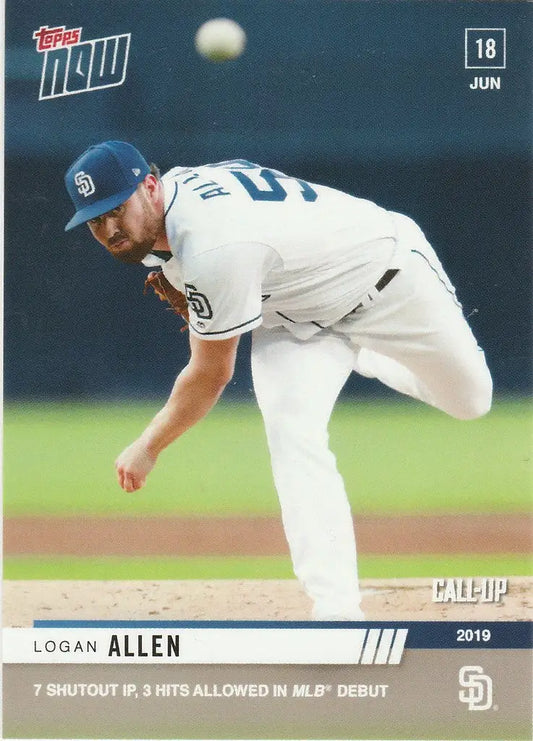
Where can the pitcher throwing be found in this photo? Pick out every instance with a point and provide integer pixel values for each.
(328, 283)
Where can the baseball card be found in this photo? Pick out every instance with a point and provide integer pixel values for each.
(267, 370)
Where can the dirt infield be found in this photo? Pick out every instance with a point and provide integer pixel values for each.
(260, 536)
(392, 599)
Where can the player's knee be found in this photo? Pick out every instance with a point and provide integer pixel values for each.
(477, 398)
(298, 439)
(474, 408)
(295, 435)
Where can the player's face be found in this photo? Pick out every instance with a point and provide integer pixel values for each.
(130, 230)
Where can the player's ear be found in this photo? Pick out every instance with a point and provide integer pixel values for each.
(151, 188)
(150, 183)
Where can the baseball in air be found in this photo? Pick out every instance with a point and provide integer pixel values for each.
(220, 40)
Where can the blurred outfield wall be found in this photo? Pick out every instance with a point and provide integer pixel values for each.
(369, 97)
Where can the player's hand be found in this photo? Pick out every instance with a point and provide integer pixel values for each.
(133, 466)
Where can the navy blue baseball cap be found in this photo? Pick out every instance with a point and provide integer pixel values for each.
(102, 178)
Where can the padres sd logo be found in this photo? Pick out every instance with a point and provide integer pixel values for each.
(198, 302)
(85, 183)
(478, 688)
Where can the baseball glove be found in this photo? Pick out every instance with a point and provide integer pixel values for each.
(165, 291)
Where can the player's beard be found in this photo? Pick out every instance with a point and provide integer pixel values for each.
(135, 250)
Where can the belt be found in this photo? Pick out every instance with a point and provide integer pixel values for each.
(385, 279)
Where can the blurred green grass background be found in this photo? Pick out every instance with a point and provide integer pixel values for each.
(268, 567)
(396, 457)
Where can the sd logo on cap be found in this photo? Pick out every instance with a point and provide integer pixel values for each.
(102, 178)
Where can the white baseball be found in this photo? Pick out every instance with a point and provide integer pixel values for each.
(220, 39)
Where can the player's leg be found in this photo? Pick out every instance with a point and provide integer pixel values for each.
(372, 364)
(415, 338)
(296, 385)
(472, 403)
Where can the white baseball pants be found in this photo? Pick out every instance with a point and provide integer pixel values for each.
(413, 337)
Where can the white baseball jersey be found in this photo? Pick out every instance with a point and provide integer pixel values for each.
(252, 245)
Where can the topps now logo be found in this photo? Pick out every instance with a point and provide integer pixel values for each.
(72, 66)
(478, 688)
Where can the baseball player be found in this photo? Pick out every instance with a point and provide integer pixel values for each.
(327, 283)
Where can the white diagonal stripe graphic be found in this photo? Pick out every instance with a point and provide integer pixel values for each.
(370, 646)
(384, 647)
(397, 647)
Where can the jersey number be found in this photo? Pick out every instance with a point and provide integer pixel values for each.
(276, 191)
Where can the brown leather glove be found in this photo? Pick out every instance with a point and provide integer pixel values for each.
(165, 291)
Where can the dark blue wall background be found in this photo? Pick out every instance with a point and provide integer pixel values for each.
(369, 97)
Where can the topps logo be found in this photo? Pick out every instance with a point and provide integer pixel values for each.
(54, 38)
(72, 66)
